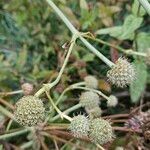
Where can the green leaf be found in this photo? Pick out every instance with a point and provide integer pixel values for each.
(112, 31)
(143, 41)
(138, 86)
(131, 23)
(135, 8)
(83, 4)
(88, 57)
(126, 31)
(21, 61)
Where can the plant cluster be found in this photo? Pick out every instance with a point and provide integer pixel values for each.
(45, 112)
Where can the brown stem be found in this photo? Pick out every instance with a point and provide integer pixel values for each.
(116, 116)
(62, 140)
(119, 121)
(126, 130)
(7, 104)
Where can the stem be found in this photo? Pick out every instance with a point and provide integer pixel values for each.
(11, 93)
(75, 31)
(106, 43)
(126, 129)
(145, 5)
(96, 91)
(100, 147)
(131, 52)
(50, 85)
(66, 111)
(126, 51)
(26, 145)
(66, 90)
(6, 112)
(61, 114)
(13, 134)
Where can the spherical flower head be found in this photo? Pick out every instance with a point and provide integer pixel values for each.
(79, 126)
(100, 131)
(29, 111)
(27, 88)
(91, 82)
(122, 73)
(113, 101)
(89, 99)
(94, 112)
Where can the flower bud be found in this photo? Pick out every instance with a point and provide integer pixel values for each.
(29, 111)
(79, 126)
(89, 99)
(27, 88)
(100, 131)
(113, 101)
(94, 112)
(122, 73)
(91, 82)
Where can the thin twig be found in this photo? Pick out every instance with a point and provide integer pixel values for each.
(126, 129)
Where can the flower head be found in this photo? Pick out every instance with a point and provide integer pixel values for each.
(122, 73)
(89, 99)
(79, 126)
(100, 131)
(94, 112)
(113, 101)
(27, 88)
(91, 82)
(29, 111)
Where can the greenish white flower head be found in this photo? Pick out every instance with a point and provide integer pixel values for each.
(113, 101)
(27, 88)
(89, 99)
(122, 73)
(79, 126)
(91, 82)
(101, 131)
(94, 112)
(29, 111)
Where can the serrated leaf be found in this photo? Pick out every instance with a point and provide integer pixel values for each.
(138, 85)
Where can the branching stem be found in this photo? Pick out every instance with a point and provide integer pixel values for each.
(75, 31)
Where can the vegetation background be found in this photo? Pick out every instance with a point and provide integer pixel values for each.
(32, 40)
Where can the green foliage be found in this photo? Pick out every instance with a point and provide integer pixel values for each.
(143, 43)
(126, 31)
(138, 85)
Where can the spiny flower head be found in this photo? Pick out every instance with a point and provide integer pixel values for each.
(89, 99)
(100, 131)
(122, 73)
(113, 101)
(91, 82)
(79, 126)
(94, 112)
(29, 111)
